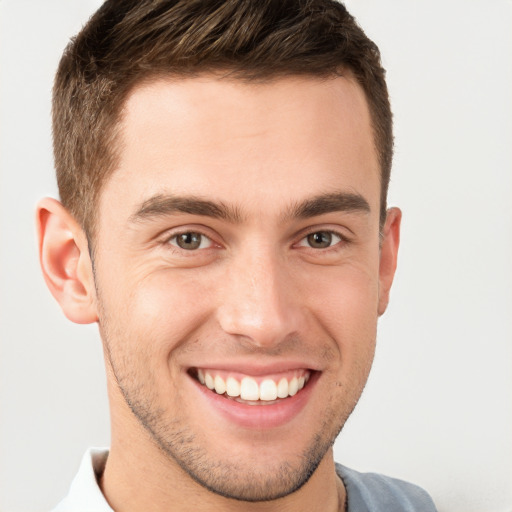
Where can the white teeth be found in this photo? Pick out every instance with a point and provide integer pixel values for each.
(232, 387)
(268, 390)
(282, 388)
(249, 390)
(208, 379)
(220, 385)
(293, 387)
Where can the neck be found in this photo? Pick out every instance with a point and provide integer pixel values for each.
(137, 478)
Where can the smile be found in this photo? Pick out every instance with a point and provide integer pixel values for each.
(263, 390)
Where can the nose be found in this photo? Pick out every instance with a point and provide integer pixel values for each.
(257, 302)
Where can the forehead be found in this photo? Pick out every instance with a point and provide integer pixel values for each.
(232, 140)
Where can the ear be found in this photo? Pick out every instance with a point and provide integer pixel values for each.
(388, 256)
(65, 261)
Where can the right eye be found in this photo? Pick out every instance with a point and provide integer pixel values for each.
(190, 241)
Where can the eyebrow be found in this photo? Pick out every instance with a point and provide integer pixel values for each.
(329, 203)
(164, 205)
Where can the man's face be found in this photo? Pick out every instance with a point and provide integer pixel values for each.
(238, 247)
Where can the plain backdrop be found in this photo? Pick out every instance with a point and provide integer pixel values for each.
(438, 407)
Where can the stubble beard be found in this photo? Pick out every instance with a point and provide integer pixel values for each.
(238, 480)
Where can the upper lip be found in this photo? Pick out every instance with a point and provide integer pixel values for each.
(257, 369)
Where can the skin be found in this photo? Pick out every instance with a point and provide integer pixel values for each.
(255, 293)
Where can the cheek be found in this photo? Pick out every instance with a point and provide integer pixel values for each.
(159, 311)
(345, 305)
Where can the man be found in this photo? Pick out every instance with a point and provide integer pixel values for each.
(223, 171)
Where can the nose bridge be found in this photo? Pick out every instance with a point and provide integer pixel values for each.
(256, 300)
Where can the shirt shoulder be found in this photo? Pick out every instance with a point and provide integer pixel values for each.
(372, 492)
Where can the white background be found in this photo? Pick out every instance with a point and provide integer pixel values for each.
(438, 407)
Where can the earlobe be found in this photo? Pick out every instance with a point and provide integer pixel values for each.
(65, 261)
(388, 256)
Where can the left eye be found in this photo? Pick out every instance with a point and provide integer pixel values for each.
(190, 241)
(320, 240)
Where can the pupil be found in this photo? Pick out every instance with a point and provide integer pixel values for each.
(189, 240)
(320, 239)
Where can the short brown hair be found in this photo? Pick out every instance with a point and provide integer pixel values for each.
(129, 41)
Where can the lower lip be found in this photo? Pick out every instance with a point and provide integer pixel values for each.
(258, 416)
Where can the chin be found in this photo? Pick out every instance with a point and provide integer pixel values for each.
(250, 479)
